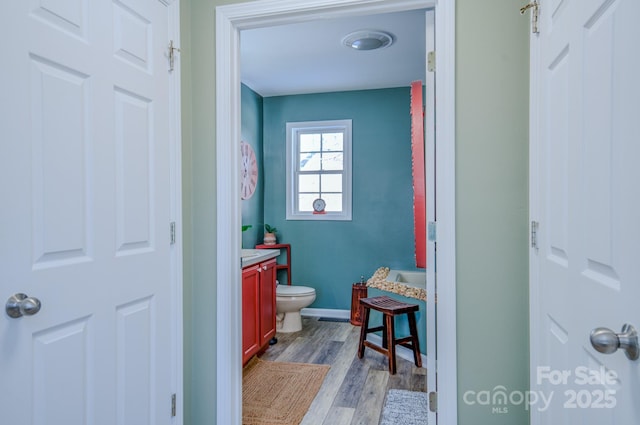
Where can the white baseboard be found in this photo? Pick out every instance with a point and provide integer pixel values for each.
(402, 352)
(326, 312)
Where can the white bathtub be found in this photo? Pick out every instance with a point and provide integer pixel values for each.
(417, 278)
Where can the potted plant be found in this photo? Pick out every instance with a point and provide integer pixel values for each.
(269, 235)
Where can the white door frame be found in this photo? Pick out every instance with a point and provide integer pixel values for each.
(230, 20)
(534, 214)
(175, 157)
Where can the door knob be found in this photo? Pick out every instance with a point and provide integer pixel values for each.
(607, 341)
(19, 305)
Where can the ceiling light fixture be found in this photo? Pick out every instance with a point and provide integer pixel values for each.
(368, 40)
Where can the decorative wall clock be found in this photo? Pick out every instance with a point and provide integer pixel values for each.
(248, 171)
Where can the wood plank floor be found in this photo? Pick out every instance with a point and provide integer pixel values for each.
(354, 390)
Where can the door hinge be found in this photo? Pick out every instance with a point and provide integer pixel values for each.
(534, 14)
(172, 50)
(431, 231)
(172, 232)
(431, 61)
(534, 234)
(173, 405)
(433, 401)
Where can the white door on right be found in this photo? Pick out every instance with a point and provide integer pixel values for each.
(585, 197)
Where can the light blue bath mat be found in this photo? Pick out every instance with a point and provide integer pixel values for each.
(404, 407)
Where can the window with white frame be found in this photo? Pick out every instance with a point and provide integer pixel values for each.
(319, 170)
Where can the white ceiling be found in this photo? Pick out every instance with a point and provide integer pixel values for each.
(310, 57)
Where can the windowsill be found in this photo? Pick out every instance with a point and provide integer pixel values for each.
(319, 217)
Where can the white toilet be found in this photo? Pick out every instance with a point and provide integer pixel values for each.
(290, 299)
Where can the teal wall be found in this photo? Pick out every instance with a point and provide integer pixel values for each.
(330, 255)
(251, 132)
(491, 195)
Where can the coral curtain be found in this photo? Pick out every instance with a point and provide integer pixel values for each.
(417, 160)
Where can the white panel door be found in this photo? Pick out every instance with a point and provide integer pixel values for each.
(586, 197)
(84, 160)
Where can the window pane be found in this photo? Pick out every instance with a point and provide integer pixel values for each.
(305, 201)
(334, 202)
(310, 161)
(309, 142)
(332, 142)
(332, 161)
(331, 183)
(309, 183)
(319, 164)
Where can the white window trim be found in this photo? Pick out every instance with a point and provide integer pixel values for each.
(292, 129)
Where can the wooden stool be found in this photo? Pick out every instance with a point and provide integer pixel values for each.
(389, 308)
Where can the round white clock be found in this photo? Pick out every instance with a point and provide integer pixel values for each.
(318, 206)
(248, 171)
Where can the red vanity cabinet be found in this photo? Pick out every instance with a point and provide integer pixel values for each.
(250, 310)
(258, 307)
(267, 302)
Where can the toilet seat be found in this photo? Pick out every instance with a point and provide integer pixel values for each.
(294, 290)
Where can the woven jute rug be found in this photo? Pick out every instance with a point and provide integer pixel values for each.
(279, 393)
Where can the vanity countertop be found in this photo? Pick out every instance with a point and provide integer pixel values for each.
(254, 256)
